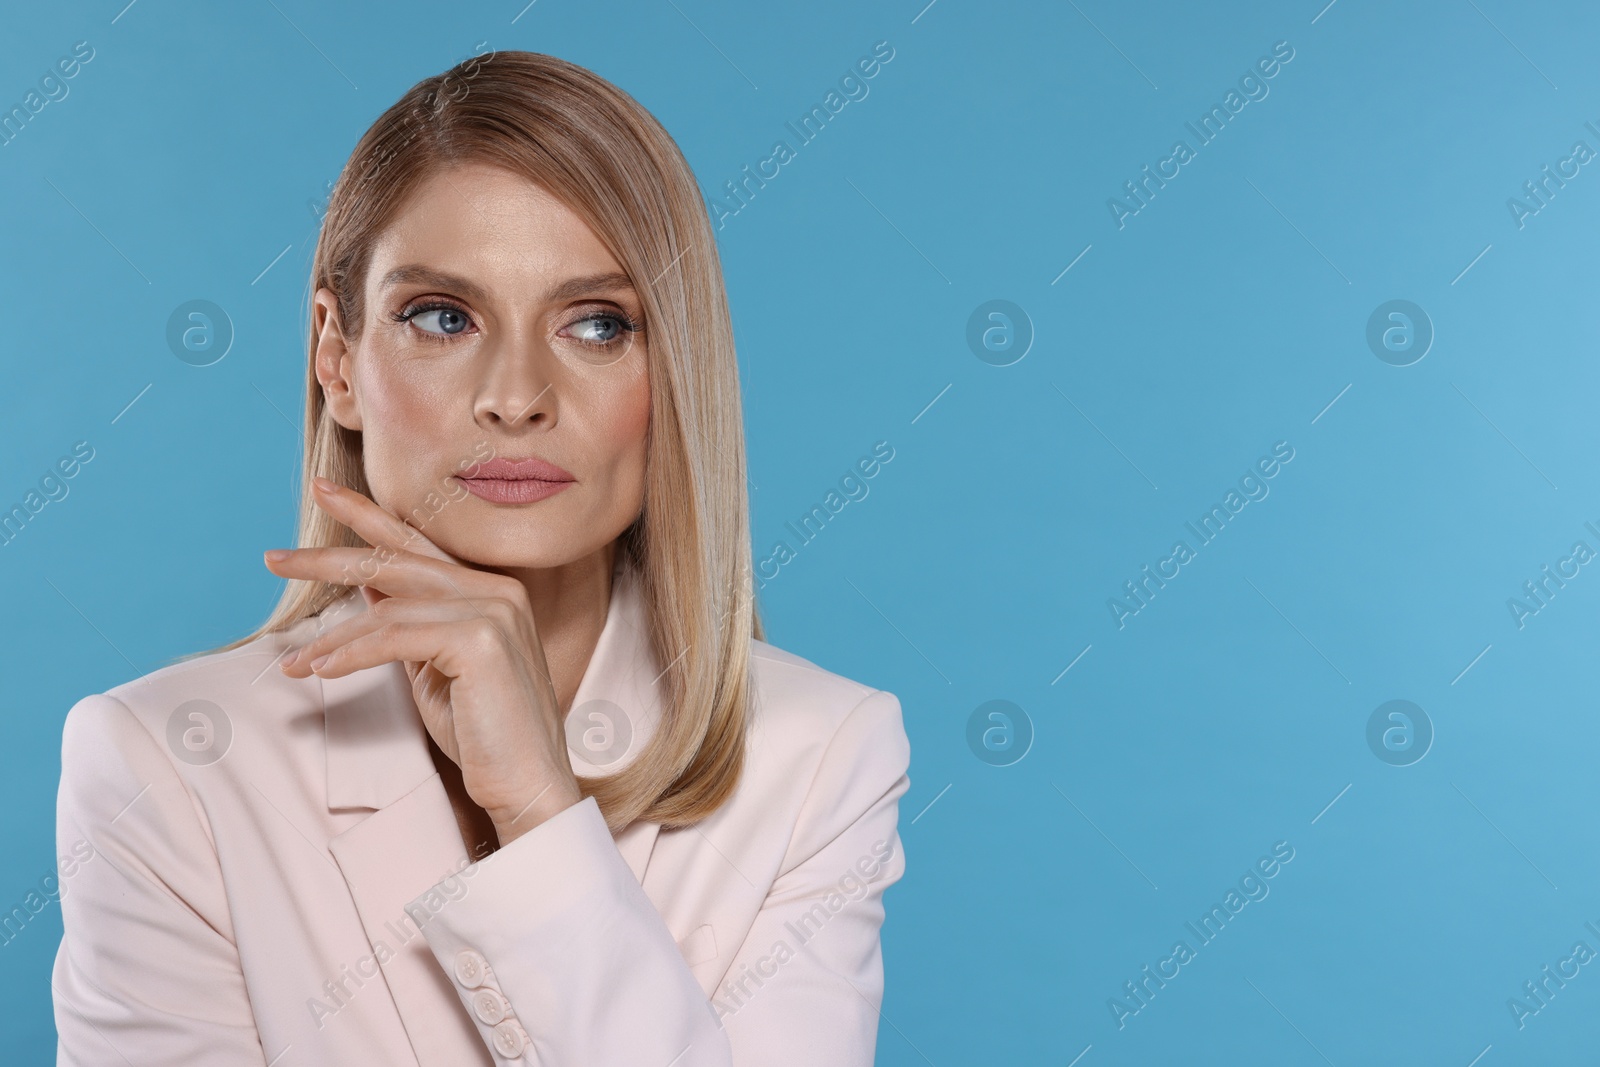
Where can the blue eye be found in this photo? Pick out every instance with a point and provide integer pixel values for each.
(613, 325)
(438, 320)
(447, 319)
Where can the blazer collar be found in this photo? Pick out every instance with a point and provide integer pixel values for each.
(378, 759)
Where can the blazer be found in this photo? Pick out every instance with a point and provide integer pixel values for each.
(262, 870)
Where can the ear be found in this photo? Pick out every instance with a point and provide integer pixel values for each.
(333, 361)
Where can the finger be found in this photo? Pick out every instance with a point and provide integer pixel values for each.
(434, 643)
(396, 610)
(391, 572)
(376, 525)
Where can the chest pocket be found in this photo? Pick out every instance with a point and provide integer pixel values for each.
(698, 945)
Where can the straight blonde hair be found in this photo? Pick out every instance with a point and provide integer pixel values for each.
(596, 149)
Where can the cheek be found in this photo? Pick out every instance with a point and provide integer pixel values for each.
(402, 425)
(393, 390)
(632, 422)
(624, 418)
(620, 437)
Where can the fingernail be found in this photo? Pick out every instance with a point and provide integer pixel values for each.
(319, 661)
(324, 484)
(276, 555)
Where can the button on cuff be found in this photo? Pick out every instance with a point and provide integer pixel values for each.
(490, 1006)
(472, 970)
(508, 1039)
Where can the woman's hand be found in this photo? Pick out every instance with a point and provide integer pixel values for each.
(468, 641)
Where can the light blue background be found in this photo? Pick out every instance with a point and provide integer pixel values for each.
(1228, 715)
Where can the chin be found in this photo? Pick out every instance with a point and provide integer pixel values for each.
(519, 544)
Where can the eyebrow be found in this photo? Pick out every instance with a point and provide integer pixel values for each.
(607, 281)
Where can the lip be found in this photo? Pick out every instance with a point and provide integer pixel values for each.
(516, 470)
(515, 481)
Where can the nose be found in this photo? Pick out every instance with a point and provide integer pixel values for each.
(518, 383)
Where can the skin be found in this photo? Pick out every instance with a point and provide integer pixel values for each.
(495, 609)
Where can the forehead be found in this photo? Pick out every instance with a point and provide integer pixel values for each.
(494, 226)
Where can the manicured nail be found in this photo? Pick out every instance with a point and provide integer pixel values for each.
(323, 484)
(276, 555)
(320, 660)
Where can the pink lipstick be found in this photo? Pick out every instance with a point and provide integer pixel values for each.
(515, 481)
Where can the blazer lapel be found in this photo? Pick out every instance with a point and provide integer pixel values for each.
(378, 759)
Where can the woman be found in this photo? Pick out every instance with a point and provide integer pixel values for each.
(509, 776)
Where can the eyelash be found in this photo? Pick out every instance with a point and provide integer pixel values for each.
(627, 323)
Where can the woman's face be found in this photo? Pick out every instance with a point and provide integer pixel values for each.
(498, 328)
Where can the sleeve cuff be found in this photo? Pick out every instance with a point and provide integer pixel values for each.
(556, 949)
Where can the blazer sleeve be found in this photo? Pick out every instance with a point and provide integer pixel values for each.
(147, 970)
(565, 962)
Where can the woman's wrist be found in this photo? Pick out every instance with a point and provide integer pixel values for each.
(552, 800)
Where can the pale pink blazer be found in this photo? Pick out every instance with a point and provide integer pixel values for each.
(306, 898)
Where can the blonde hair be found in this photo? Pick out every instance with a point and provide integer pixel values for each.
(602, 154)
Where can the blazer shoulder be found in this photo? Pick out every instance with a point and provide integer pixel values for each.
(786, 676)
(808, 708)
(827, 751)
(202, 691)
